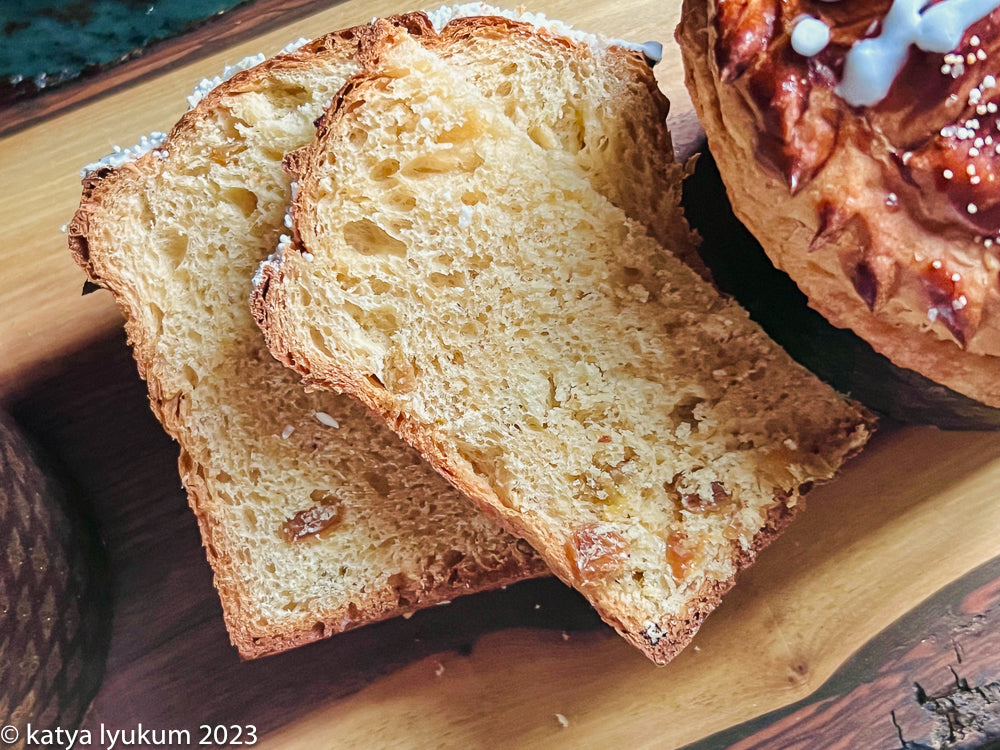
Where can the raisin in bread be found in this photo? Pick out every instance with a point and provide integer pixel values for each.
(539, 348)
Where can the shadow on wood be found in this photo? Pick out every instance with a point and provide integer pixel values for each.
(171, 664)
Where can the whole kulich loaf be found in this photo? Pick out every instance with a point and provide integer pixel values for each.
(861, 150)
(542, 350)
(315, 517)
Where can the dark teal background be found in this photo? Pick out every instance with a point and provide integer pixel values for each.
(50, 41)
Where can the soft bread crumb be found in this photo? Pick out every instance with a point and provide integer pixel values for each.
(508, 350)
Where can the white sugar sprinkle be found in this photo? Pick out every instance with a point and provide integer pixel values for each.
(465, 217)
(293, 46)
(120, 156)
(287, 432)
(205, 85)
(654, 632)
(562, 720)
(325, 419)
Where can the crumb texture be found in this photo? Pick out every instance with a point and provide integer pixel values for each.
(512, 317)
(315, 516)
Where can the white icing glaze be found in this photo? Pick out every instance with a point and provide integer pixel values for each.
(872, 64)
(810, 36)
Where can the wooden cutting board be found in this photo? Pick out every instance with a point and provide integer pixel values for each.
(890, 579)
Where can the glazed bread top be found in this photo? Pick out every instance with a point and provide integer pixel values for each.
(935, 137)
(902, 183)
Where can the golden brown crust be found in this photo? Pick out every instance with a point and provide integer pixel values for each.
(251, 638)
(841, 197)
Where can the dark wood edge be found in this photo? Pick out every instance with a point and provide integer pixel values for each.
(930, 681)
(224, 30)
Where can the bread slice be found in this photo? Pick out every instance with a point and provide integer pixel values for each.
(539, 348)
(315, 517)
(176, 234)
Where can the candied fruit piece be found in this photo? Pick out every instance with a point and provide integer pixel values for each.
(680, 555)
(596, 550)
(313, 521)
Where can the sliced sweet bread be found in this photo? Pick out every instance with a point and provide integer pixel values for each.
(539, 348)
(315, 517)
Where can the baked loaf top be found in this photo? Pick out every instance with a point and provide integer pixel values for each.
(543, 351)
(315, 517)
(885, 211)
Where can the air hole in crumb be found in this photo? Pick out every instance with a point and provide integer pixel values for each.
(467, 131)
(191, 376)
(473, 197)
(175, 247)
(508, 69)
(319, 341)
(378, 482)
(384, 169)
(401, 199)
(543, 136)
(157, 315)
(243, 199)
(505, 89)
(368, 238)
(442, 162)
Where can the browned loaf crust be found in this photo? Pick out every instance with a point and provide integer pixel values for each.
(882, 215)
(413, 508)
(827, 430)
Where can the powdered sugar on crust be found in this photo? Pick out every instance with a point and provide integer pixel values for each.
(440, 17)
(294, 46)
(654, 633)
(120, 156)
(154, 140)
(207, 84)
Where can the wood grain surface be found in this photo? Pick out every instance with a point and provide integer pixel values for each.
(531, 666)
